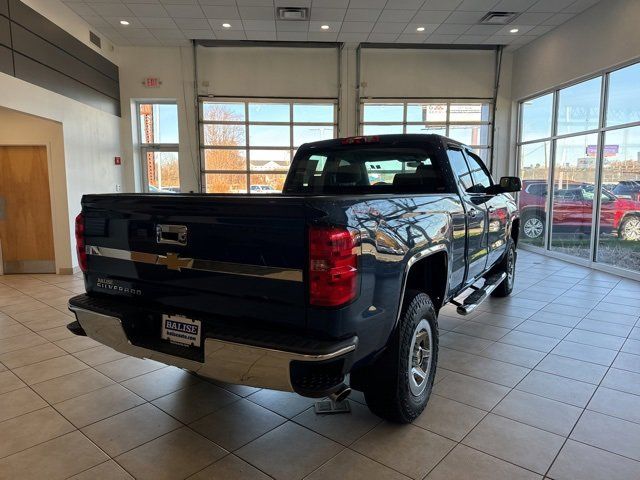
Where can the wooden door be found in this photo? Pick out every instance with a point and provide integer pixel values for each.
(26, 230)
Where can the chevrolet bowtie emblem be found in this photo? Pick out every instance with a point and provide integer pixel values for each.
(174, 262)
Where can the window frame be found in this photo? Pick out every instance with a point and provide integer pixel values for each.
(144, 147)
(488, 102)
(247, 123)
(601, 131)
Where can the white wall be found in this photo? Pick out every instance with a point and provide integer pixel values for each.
(90, 142)
(268, 71)
(174, 67)
(603, 36)
(427, 73)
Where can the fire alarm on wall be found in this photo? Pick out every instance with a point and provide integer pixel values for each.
(118, 161)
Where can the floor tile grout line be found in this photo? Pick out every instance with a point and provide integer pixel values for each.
(580, 417)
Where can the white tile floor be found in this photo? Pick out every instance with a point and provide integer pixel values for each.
(545, 383)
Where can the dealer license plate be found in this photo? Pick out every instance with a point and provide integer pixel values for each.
(181, 330)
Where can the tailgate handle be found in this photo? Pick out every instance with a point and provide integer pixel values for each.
(171, 234)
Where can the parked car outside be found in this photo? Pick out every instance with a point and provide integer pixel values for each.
(573, 211)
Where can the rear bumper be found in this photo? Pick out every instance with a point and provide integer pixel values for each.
(315, 372)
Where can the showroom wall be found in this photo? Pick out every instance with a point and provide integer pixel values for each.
(299, 73)
(91, 138)
(91, 141)
(173, 67)
(601, 37)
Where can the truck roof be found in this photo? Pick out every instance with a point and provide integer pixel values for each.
(399, 138)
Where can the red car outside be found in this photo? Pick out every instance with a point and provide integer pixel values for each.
(573, 209)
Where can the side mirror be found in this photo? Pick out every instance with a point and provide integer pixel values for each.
(510, 184)
(506, 185)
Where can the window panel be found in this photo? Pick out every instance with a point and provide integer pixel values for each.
(535, 160)
(224, 135)
(619, 238)
(469, 134)
(537, 116)
(469, 112)
(223, 112)
(225, 159)
(225, 183)
(158, 123)
(269, 135)
(269, 112)
(430, 118)
(313, 113)
(383, 112)
(311, 133)
(163, 171)
(427, 112)
(270, 160)
(623, 104)
(579, 107)
(266, 183)
(574, 176)
(381, 129)
(427, 129)
(270, 145)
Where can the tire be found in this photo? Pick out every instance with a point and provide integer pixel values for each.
(507, 265)
(533, 225)
(630, 228)
(395, 390)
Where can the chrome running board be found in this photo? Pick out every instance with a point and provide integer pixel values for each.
(479, 294)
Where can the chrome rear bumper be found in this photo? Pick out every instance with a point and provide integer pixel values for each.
(224, 361)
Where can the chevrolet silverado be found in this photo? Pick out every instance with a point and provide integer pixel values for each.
(342, 275)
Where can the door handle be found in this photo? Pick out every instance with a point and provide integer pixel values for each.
(473, 213)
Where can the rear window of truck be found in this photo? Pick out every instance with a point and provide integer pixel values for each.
(366, 170)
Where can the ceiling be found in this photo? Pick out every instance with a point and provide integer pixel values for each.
(175, 22)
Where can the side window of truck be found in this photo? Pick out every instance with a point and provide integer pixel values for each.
(460, 168)
(481, 179)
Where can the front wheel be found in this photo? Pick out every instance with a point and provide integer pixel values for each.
(399, 383)
(630, 228)
(507, 265)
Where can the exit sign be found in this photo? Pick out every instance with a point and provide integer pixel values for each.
(152, 82)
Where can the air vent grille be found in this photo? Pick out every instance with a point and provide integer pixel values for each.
(95, 39)
(498, 18)
(293, 13)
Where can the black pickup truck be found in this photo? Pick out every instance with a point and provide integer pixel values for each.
(343, 273)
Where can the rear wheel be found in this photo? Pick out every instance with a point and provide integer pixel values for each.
(630, 228)
(399, 383)
(507, 265)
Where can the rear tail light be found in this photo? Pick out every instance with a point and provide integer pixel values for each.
(333, 266)
(80, 245)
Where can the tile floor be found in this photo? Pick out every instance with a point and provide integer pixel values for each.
(545, 383)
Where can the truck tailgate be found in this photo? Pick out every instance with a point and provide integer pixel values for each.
(241, 256)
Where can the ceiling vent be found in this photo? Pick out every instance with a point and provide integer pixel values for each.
(293, 13)
(95, 39)
(498, 18)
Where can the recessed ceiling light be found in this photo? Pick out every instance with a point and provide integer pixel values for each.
(420, 29)
(514, 30)
(226, 25)
(325, 27)
(124, 22)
